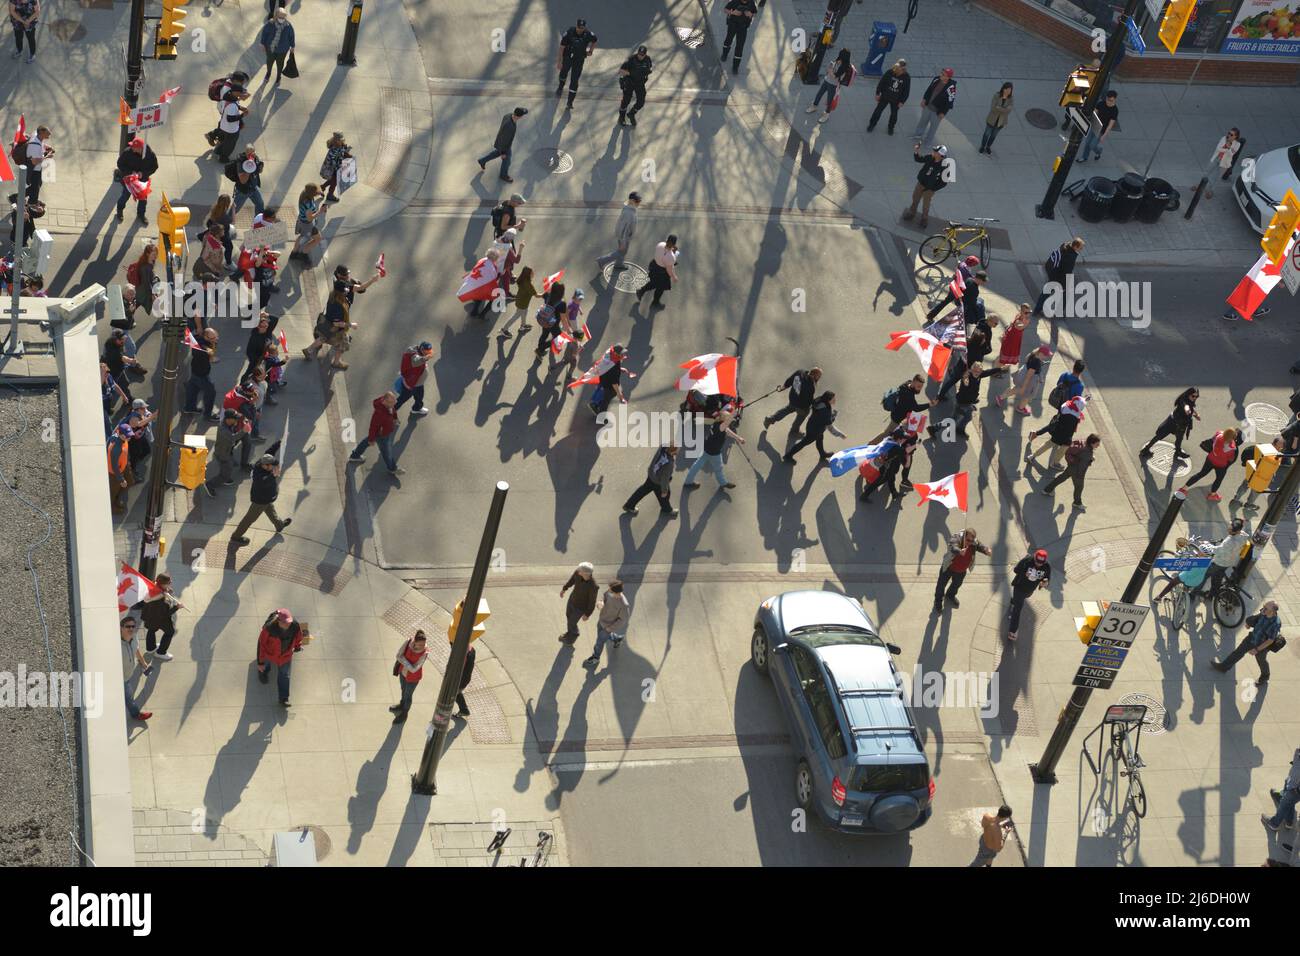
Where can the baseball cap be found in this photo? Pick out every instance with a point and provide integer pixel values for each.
(642, 49)
(941, 150)
(1044, 350)
(425, 346)
(581, 22)
(515, 197)
(283, 615)
(619, 349)
(947, 71)
(579, 294)
(634, 196)
(118, 334)
(136, 143)
(231, 413)
(125, 430)
(269, 459)
(972, 260)
(1040, 555)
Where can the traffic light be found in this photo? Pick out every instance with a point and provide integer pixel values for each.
(1279, 231)
(172, 221)
(1174, 22)
(194, 466)
(170, 27)
(479, 627)
(1079, 85)
(1092, 613)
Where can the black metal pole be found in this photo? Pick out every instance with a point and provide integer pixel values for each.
(426, 780)
(1196, 197)
(14, 345)
(348, 55)
(1045, 770)
(1272, 516)
(171, 330)
(134, 66)
(1047, 208)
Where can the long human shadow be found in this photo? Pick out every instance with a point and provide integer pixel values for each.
(576, 736)
(570, 462)
(686, 548)
(213, 613)
(869, 530)
(602, 184)
(544, 720)
(460, 360)
(1011, 679)
(930, 659)
(251, 738)
(489, 398)
(372, 781)
(779, 507)
(517, 432)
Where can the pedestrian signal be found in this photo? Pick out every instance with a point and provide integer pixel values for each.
(1174, 22)
(479, 627)
(1277, 236)
(194, 466)
(1078, 86)
(1092, 612)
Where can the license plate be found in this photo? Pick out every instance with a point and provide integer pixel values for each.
(850, 821)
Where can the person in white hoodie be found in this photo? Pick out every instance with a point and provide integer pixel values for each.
(611, 622)
(624, 230)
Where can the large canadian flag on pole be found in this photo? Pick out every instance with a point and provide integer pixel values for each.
(949, 492)
(1252, 290)
(593, 374)
(481, 282)
(933, 356)
(712, 374)
(7, 173)
(132, 587)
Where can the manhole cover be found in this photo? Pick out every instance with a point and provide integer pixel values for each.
(692, 39)
(630, 278)
(323, 843)
(69, 31)
(1040, 119)
(554, 160)
(1155, 721)
(1162, 459)
(1267, 419)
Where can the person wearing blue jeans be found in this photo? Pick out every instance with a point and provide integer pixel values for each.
(1107, 117)
(711, 456)
(502, 144)
(383, 423)
(1286, 798)
(131, 656)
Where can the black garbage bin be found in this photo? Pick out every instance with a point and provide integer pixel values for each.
(1128, 194)
(1097, 196)
(1157, 196)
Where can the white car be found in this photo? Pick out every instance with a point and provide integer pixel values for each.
(1261, 184)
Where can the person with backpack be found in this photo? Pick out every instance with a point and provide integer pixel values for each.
(502, 145)
(610, 383)
(802, 386)
(613, 613)
(1068, 385)
(336, 150)
(141, 276)
(410, 378)
(505, 215)
(246, 174)
(305, 229)
(1220, 454)
(892, 91)
(659, 479)
(231, 122)
(408, 668)
(277, 40)
(929, 180)
(24, 14)
(1058, 266)
(1078, 459)
(1030, 574)
(957, 560)
(137, 158)
(222, 215)
(740, 14)
(1265, 635)
(839, 74)
(281, 637)
(1178, 424)
(1059, 431)
(550, 318)
(902, 401)
(217, 91)
(936, 103)
(820, 421)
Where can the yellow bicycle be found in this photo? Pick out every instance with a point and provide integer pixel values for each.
(956, 238)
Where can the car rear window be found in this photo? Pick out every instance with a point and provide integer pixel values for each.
(893, 777)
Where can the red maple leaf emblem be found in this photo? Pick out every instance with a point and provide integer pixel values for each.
(698, 372)
(939, 493)
(923, 344)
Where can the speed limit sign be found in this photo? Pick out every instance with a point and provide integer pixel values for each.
(1110, 645)
(1291, 268)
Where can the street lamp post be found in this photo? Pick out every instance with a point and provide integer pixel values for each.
(425, 780)
(1047, 208)
(14, 345)
(134, 66)
(1045, 770)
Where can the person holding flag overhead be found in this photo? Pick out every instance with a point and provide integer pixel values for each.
(712, 374)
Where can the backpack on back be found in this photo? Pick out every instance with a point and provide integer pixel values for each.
(18, 154)
(499, 218)
(1072, 453)
(1059, 394)
(890, 398)
(133, 273)
(214, 88)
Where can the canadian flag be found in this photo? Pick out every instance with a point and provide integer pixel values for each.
(139, 188)
(133, 587)
(380, 267)
(21, 132)
(933, 356)
(712, 374)
(123, 113)
(550, 280)
(284, 343)
(914, 422)
(949, 492)
(842, 462)
(958, 285)
(7, 174)
(593, 374)
(192, 342)
(1252, 290)
(481, 282)
(562, 339)
(168, 95)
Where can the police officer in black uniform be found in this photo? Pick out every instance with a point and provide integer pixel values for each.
(632, 76)
(740, 14)
(575, 46)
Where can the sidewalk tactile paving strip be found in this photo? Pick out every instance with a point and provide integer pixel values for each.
(281, 564)
(488, 724)
(1024, 718)
(1081, 562)
(394, 141)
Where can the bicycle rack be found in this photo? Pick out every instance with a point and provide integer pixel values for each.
(1132, 717)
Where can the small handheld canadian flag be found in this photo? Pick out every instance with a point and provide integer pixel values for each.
(20, 134)
(933, 356)
(132, 588)
(191, 341)
(380, 267)
(168, 95)
(949, 492)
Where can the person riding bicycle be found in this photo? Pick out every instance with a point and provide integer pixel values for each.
(1226, 554)
(1192, 578)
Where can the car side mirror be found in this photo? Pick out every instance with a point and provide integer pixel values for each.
(894, 648)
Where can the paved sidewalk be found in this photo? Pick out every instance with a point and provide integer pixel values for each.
(872, 174)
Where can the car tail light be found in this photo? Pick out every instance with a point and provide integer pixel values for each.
(932, 788)
(838, 792)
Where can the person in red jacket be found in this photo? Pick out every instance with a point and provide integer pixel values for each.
(1219, 456)
(280, 639)
(383, 422)
(408, 669)
(410, 383)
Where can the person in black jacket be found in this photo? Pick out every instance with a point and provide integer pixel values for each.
(582, 602)
(929, 180)
(968, 395)
(802, 386)
(575, 46)
(261, 497)
(1029, 575)
(659, 478)
(505, 140)
(1058, 265)
(462, 708)
(258, 339)
(136, 158)
(740, 14)
(632, 76)
(892, 91)
(1178, 424)
(905, 402)
(821, 421)
(158, 615)
(200, 381)
(939, 98)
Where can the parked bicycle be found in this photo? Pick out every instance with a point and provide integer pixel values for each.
(955, 239)
(1124, 751)
(1229, 606)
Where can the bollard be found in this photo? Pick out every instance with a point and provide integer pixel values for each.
(1196, 197)
(348, 56)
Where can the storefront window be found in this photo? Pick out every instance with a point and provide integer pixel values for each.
(1088, 13)
(1205, 30)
